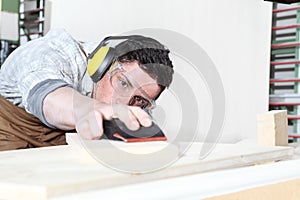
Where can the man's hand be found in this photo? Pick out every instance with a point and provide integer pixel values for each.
(90, 113)
(66, 109)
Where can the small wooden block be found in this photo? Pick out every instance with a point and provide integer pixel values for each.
(273, 128)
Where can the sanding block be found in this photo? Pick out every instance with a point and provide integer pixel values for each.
(116, 130)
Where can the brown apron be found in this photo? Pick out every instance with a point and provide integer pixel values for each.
(19, 129)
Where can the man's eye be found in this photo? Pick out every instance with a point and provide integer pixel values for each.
(123, 83)
(140, 101)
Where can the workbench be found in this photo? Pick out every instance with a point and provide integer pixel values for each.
(70, 172)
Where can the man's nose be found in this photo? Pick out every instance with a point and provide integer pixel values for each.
(122, 99)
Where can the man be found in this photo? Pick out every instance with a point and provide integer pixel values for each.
(45, 89)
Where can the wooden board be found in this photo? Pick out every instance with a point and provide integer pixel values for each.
(272, 128)
(284, 190)
(61, 170)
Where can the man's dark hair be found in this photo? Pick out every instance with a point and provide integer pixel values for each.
(151, 55)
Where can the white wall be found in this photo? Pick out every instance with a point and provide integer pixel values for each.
(235, 34)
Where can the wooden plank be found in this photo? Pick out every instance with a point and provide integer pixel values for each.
(202, 186)
(273, 128)
(54, 171)
(284, 190)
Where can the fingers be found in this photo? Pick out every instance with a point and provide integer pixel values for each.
(132, 116)
(143, 118)
(90, 126)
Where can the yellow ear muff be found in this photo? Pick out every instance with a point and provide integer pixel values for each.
(103, 57)
(99, 62)
(97, 59)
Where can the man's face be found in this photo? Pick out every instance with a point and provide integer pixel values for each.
(126, 84)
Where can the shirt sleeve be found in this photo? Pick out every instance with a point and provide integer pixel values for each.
(41, 66)
(37, 95)
(36, 86)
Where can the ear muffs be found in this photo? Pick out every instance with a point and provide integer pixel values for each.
(99, 61)
(103, 56)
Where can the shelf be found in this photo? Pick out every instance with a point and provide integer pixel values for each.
(294, 136)
(32, 11)
(284, 103)
(292, 44)
(38, 21)
(293, 117)
(32, 33)
(285, 58)
(285, 27)
(285, 62)
(284, 80)
(286, 9)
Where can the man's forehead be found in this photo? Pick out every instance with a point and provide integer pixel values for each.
(138, 75)
(146, 85)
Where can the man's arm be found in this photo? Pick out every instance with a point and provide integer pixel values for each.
(67, 109)
(58, 108)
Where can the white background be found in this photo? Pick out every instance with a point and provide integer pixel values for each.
(235, 34)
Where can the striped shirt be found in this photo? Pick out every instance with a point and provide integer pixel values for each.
(40, 66)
